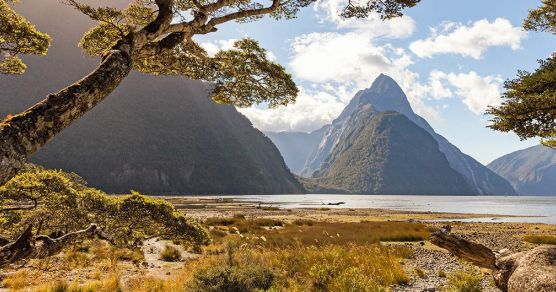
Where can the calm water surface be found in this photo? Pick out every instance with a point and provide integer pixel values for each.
(533, 209)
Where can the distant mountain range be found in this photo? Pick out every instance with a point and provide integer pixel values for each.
(531, 171)
(334, 143)
(158, 135)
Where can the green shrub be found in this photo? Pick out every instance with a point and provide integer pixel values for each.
(170, 254)
(231, 279)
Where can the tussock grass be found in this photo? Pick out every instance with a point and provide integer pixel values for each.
(301, 222)
(18, 280)
(420, 273)
(111, 283)
(243, 225)
(170, 254)
(540, 239)
(460, 281)
(325, 233)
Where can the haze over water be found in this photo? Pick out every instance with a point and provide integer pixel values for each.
(534, 209)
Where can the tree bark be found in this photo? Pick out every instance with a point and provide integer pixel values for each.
(24, 134)
(28, 246)
(475, 253)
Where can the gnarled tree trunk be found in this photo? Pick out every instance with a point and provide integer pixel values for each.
(529, 271)
(24, 134)
(28, 246)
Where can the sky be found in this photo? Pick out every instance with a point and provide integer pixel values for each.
(450, 57)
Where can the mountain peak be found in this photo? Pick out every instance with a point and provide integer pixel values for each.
(386, 95)
(383, 83)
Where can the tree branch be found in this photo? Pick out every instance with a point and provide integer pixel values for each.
(241, 14)
(28, 246)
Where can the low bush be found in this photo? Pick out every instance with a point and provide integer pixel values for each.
(230, 275)
(170, 254)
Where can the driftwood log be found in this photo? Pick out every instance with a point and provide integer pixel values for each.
(533, 270)
(28, 246)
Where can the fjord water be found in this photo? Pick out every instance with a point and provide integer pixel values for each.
(532, 209)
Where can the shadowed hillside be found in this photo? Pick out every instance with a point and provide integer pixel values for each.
(531, 171)
(153, 134)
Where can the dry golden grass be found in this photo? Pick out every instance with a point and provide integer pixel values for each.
(110, 283)
(18, 280)
(306, 232)
(324, 233)
(540, 239)
(460, 281)
(243, 225)
(302, 268)
(302, 256)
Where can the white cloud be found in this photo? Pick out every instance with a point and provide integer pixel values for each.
(312, 110)
(469, 41)
(213, 47)
(476, 92)
(353, 60)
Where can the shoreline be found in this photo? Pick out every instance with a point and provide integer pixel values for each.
(196, 205)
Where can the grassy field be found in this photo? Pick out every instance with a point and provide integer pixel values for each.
(256, 249)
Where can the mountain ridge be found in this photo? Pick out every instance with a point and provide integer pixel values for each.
(531, 171)
(373, 157)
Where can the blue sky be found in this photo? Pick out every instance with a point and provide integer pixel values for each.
(450, 57)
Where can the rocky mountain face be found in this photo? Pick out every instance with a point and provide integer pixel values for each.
(531, 171)
(385, 153)
(153, 134)
(386, 95)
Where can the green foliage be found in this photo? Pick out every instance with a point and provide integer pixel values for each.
(542, 18)
(386, 9)
(245, 76)
(529, 107)
(18, 36)
(460, 281)
(58, 201)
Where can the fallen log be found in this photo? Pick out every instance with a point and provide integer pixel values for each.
(533, 270)
(27, 246)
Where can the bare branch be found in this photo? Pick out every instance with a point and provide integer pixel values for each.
(28, 246)
(239, 15)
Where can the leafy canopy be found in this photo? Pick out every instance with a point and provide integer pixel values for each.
(529, 107)
(18, 36)
(57, 201)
